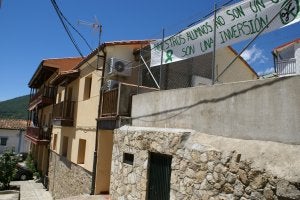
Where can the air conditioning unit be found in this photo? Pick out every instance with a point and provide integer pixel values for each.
(111, 84)
(118, 67)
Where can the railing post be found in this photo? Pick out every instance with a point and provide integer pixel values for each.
(286, 67)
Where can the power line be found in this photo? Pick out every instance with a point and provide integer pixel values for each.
(56, 8)
(62, 19)
(80, 35)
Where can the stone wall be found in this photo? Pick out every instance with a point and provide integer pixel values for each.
(67, 179)
(199, 171)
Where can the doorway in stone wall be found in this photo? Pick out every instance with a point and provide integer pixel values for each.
(159, 176)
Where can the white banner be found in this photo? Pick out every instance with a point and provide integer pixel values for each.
(234, 23)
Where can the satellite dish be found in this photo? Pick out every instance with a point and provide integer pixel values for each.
(119, 66)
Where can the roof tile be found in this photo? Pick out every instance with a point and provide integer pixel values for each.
(13, 124)
(63, 64)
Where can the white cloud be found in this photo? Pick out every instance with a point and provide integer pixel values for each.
(254, 54)
(269, 70)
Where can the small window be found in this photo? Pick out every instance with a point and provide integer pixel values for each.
(81, 151)
(64, 151)
(54, 142)
(128, 158)
(3, 141)
(87, 88)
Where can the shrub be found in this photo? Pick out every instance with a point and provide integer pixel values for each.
(8, 163)
(30, 164)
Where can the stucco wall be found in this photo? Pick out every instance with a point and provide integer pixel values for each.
(261, 109)
(74, 135)
(87, 109)
(238, 71)
(297, 56)
(15, 140)
(25, 144)
(45, 114)
(105, 144)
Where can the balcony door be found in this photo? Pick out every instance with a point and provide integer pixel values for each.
(70, 94)
(68, 100)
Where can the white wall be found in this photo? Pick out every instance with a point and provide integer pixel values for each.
(15, 140)
(297, 57)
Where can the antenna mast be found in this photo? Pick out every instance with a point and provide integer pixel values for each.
(95, 26)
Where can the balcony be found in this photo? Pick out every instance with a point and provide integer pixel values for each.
(63, 113)
(116, 105)
(110, 103)
(38, 136)
(43, 97)
(286, 67)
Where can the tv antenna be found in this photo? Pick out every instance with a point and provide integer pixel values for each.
(96, 27)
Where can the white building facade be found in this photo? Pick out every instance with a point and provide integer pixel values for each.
(12, 136)
(287, 58)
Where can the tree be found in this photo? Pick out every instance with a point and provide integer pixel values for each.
(8, 163)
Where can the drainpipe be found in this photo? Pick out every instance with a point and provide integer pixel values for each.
(97, 125)
(46, 179)
(20, 141)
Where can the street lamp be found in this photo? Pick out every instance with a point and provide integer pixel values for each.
(45, 128)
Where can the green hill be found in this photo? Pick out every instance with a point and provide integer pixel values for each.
(14, 108)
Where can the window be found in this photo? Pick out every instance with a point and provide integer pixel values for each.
(87, 88)
(128, 158)
(64, 151)
(81, 151)
(3, 141)
(70, 94)
(54, 142)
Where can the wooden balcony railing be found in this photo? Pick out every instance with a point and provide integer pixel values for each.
(37, 134)
(117, 102)
(286, 67)
(63, 113)
(44, 96)
(110, 102)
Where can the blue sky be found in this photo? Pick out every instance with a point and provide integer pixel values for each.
(31, 31)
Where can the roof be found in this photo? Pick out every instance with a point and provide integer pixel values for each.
(63, 64)
(52, 65)
(243, 60)
(72, 74)
(283, 46)
(15, 124)
(113, 43)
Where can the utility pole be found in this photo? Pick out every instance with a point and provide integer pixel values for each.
(161, 73)
(214, 47)
(95, 26)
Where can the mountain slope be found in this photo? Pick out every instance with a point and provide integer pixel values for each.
(14, 108)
